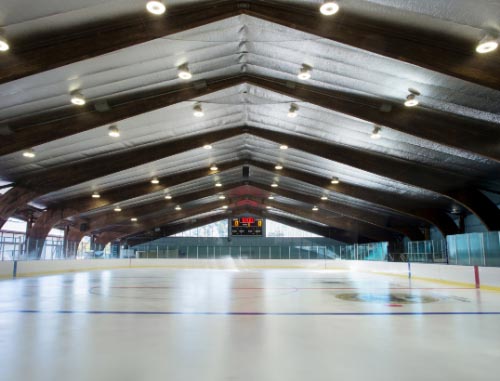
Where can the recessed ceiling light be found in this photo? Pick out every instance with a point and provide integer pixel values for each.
(268, 207)
(329, 8)
(155, 181)
(218, 184)
(293, 111)
(96, 195)
(207, 146)
(214, 168)
(305, 72)
(283, 146)
(77, 98)
(315, 208)
(487, 44)
(271, 197)
(198, 111)
(411, 99)
(376, 132)
(178, 207)
(278, 167)
(156, 7)
(168, 197)
(4, 44)
(183, 72)
(224, 207)
(222, 197)
(274, 185)
(114, 132)
(133, 219)
(117, 209)
(335, 180)
(29, 153)
(324, 198)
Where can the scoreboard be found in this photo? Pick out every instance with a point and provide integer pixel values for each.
(247, 226)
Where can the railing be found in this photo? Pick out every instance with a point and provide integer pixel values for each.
(375, 251)
(433, 251)
(479, 249)
(482, 249)
(15, 246)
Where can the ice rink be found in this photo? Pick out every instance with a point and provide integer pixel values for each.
(216, 325)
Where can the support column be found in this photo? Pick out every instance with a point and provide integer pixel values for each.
(461, 223)
(12, 200)
(66, 242)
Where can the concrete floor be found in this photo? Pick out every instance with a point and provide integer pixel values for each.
(263, 325)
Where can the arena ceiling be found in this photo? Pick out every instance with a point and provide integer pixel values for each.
(430, 162)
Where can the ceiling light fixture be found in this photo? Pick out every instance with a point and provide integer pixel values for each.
(117, 209)
(315, 209)
(487, 44)
(183, 72)
(178, 207)
(96, 195)
(218, 185)
(156, 7)
(376, 132)
(29, 153)
(224, 207)
(274, 185)
(411, 99)
(222, 197)
(155, 181)
(168, 197)
(271, 197)
(278, 167)
(335, 180)
(283, 146)
(214, 168)
(268, 207)
(198, 111)
(114, 132)
(293, 111)
(4, 44)
(133, 219)
(329, 8)
(305, 72)
(324, 198)
(77, 98)
(207, 146)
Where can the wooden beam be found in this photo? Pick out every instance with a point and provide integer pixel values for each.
(34, 54)
(394, 202)
(43, 128)
(15, 198)
(352, 213)
(108, 219)
(75, 206)
(104, 220)
(51, 180)
(152, 222)
(332, 233)
(323, 216)
(144, 237)
(446, 54)
(410, 173)
(475, 136)
(414, 174)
